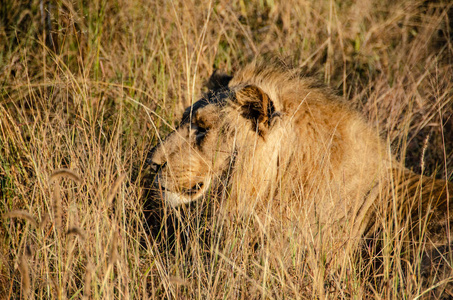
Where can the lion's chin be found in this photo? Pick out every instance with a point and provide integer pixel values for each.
(176, 199)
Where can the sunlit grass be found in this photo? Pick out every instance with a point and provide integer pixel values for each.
(87, 88)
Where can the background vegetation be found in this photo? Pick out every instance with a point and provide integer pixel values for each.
(89, 86)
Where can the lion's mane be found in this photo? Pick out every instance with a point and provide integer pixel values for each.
(284, 147)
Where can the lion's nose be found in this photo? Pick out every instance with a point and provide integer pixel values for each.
(154, 159)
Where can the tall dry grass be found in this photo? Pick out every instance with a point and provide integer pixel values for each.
(88, 87)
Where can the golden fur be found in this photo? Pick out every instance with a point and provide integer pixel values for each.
(282, 146)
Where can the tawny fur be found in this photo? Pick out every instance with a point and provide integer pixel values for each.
(281, 146)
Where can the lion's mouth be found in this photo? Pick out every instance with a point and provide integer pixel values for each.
(194, 190)
(184, 195)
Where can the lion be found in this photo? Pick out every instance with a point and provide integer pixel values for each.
(276, 142)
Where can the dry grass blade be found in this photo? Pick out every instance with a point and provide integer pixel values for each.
(178, 281)
(438, 284)
(44, 221)
(22, 215)
(87, 282)
(114, 189)
(113, 253)
(57, 210)
(64, 173)
(25, 277)
(76, 231)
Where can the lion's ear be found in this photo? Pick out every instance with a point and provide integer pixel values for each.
(218, 81)
(257, 107)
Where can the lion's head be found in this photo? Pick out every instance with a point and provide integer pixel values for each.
(204, 147)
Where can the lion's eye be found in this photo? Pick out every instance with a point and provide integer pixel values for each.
(200, 132)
